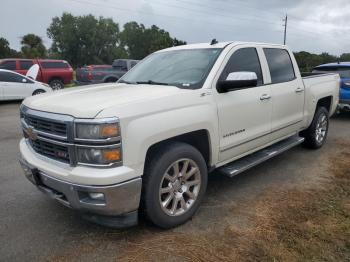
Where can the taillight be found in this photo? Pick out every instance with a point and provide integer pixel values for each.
(89, 75)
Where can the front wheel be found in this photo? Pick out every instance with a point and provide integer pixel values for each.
(316, 134)
(174, 184)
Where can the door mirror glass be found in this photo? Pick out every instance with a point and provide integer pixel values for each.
(238, 80)
(24, 80)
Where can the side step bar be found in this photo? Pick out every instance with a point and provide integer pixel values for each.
(236, 167)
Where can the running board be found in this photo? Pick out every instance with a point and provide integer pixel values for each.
(236, 167)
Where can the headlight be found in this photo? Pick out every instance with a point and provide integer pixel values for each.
(97, 131)
(99, 156)
(99, 142)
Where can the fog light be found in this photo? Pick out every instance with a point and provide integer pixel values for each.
(97, 196)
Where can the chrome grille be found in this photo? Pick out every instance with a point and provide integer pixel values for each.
(47, 126)
(51, 150)
(53, 136)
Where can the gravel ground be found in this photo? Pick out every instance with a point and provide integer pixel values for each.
(34, 228)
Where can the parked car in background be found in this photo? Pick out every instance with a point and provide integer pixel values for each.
(56, 73)
(15, 86)
(343, 69)
(95, 74)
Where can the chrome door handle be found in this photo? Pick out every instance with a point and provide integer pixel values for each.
(265, 97)
(299, 90)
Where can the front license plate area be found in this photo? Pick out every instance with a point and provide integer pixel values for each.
(32, 174)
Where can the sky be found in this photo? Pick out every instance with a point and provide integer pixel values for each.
(313, 26)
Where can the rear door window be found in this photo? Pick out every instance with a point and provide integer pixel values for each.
(25, 65)
(121, 65)
(9, 65)
(51, 65)
(280, 65)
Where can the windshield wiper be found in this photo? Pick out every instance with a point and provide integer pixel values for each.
(151, 82)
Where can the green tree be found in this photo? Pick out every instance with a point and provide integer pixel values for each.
(85, 40)
(6, 51)
(140, 41)
(345, 57)
(33, 47)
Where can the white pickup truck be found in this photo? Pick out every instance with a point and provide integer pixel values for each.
(147, 143)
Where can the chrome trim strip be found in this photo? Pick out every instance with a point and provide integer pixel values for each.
(274, 131)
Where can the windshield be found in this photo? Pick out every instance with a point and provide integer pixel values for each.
(182, 68)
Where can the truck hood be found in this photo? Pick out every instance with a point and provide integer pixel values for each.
(89, 101)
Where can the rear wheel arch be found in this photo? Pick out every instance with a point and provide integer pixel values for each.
(38, 91)
(325, 102)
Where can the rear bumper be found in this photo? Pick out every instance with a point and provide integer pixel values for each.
(344, 104)
(117, 208)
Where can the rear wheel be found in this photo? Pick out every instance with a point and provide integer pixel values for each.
(316, 134)
(174, 185)
(37, 92)
(56, 84)
(111, 80)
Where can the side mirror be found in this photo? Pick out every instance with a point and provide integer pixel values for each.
(237, 80)
(24, 80)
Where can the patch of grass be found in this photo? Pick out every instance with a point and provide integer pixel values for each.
(290, 225)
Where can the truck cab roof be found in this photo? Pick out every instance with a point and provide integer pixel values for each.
(220, 45)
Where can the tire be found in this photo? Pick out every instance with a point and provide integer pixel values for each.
(186, 194)
(316, 135)
(38, 91)
(56, 84)
(111, 80)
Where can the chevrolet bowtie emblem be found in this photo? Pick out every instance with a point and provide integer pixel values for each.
(31, 134)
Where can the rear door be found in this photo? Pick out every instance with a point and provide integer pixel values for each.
(287, 93)
(15, 86)
(244, 115)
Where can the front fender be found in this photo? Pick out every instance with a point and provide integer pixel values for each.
(141, 133)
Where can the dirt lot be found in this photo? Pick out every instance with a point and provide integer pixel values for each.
(295, 207)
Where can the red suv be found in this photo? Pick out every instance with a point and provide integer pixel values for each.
(56, 73)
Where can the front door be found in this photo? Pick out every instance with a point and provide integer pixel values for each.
(244, 115)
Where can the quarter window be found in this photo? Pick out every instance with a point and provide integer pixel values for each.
(280, 65)
(24, 65)
(244, 60)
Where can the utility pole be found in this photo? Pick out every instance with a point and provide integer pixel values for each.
(285, 20)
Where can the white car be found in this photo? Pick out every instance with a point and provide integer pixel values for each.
(15, 86)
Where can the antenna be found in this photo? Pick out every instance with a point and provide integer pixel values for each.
(214, 42)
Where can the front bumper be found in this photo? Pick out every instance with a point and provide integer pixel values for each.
(118, 207)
